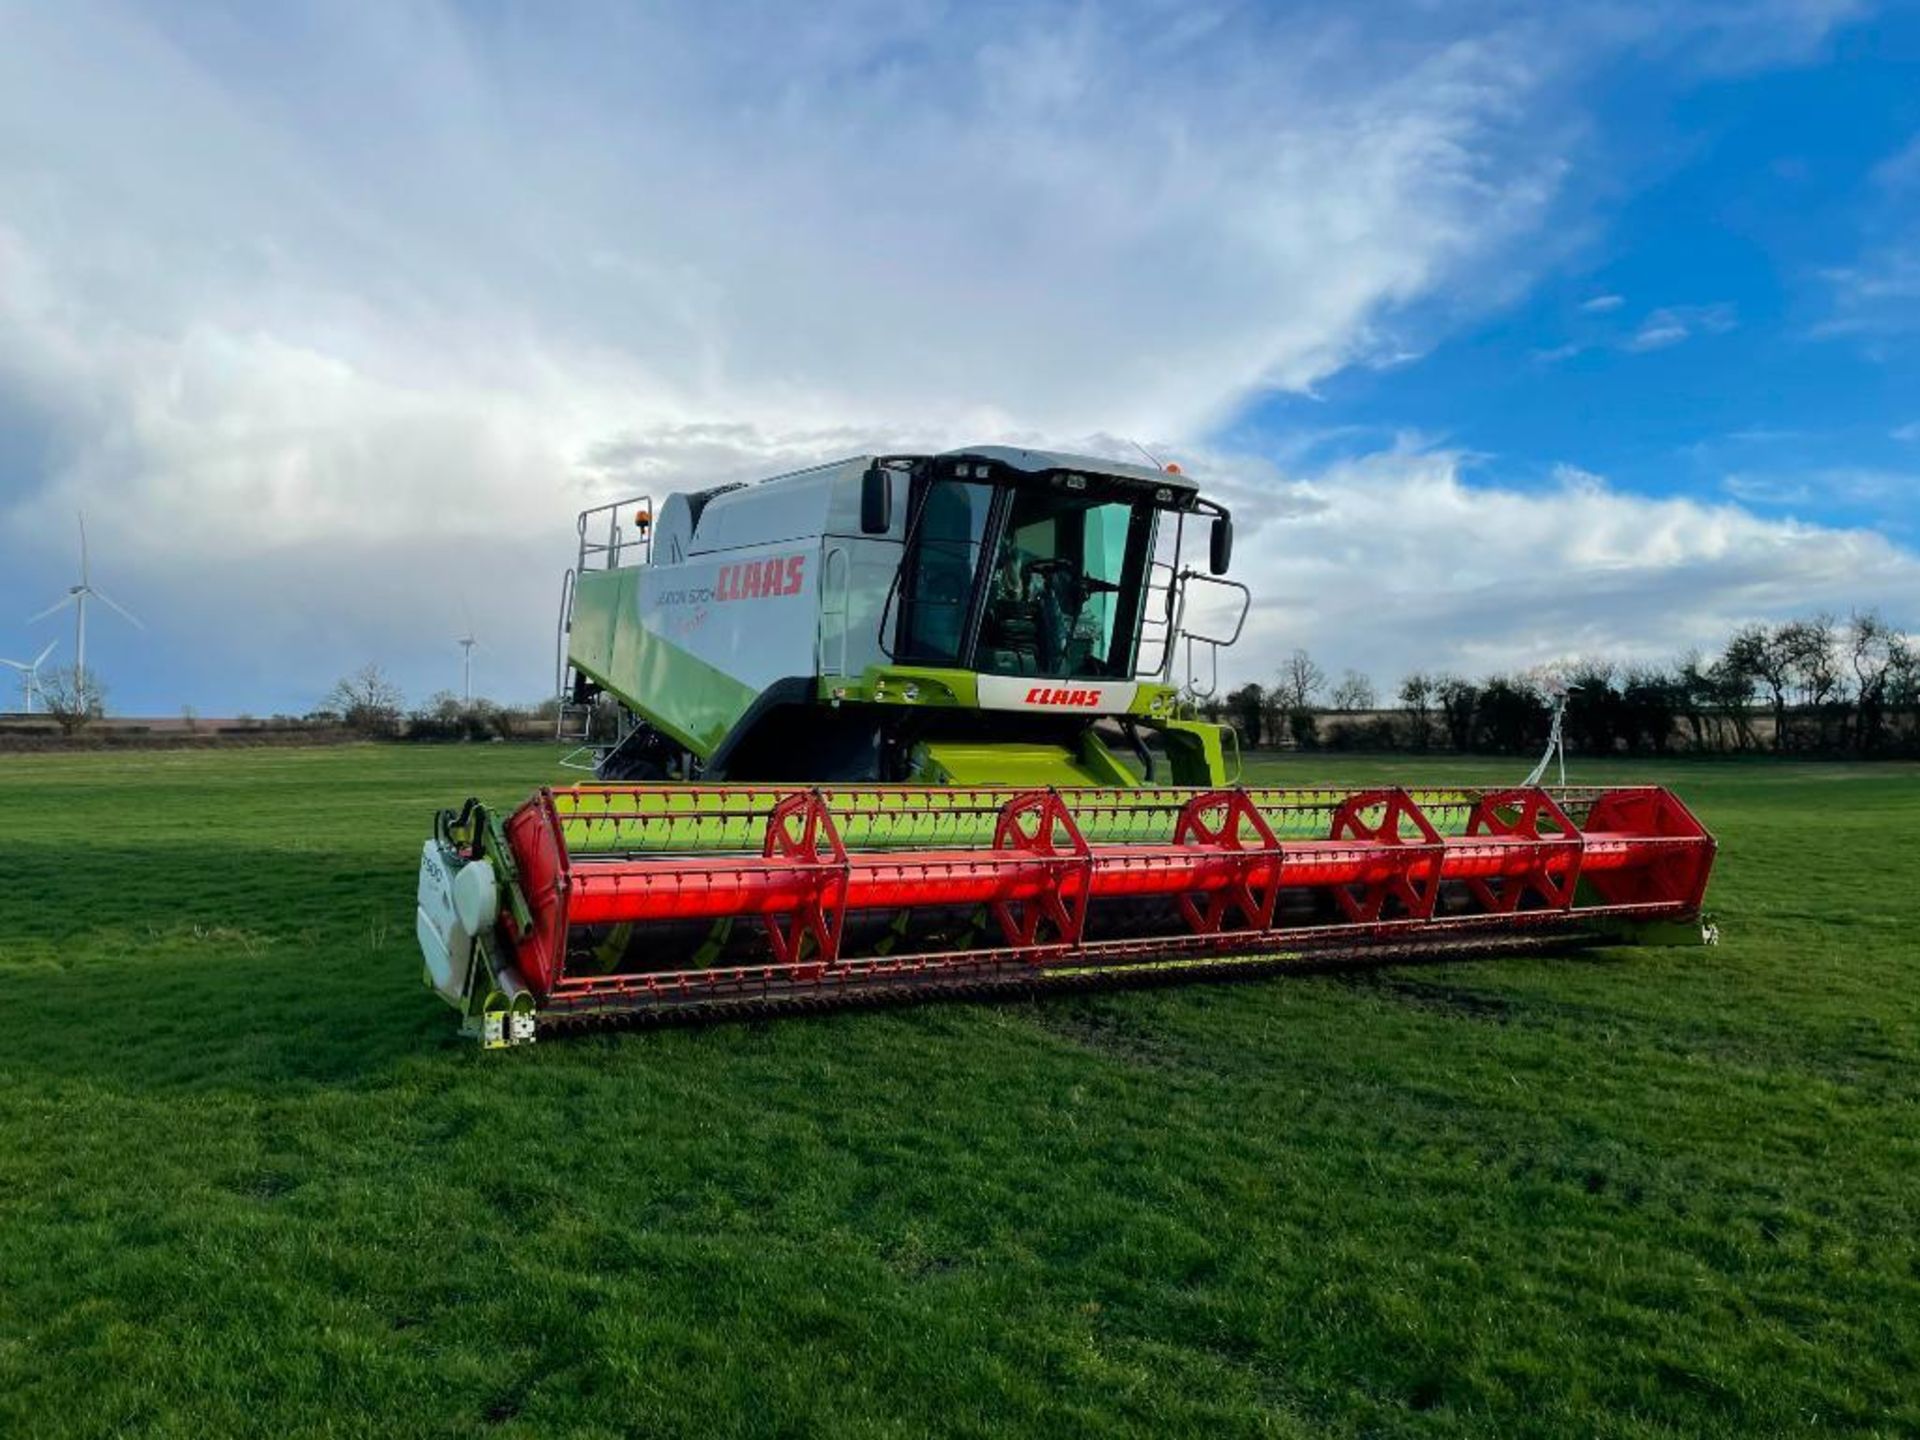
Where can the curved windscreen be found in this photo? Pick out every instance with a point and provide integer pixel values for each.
(1063, 597)
(1027, 579)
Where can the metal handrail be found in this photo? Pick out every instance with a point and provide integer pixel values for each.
(1214, 643)
(1191, 686)
(613, 549)
(560, 633)
(1246, 606)
(1157, 629)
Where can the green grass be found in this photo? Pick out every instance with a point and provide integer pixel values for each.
(251, 1183)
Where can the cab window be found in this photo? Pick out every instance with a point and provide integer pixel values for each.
(1060, 600)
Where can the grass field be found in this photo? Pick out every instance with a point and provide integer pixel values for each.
(251, 1182)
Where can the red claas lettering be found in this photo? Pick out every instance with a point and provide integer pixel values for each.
(761, 579)
(1047, 695)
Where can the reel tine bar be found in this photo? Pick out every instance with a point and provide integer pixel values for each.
(857, 886)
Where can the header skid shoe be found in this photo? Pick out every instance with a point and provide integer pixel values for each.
(617, 900)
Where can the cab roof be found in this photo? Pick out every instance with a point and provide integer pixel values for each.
(1040, 462)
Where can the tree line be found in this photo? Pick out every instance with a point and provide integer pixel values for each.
(1814, 686)
(370, 704)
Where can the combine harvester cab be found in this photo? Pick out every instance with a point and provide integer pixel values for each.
(865, 717)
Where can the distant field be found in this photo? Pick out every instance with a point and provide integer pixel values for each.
(252, 1183)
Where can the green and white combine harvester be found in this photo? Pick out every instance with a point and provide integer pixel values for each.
(873, 726)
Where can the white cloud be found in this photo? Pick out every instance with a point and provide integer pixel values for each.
(1852, 485)
(1769, 490)
(1675, 323)
(330, 316)
(1877, 294)
(1906, 433)
(501, 244)
(1397, 562)
(1657, 335)
(1603, 304)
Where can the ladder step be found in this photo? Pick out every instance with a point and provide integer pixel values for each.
(574, 725)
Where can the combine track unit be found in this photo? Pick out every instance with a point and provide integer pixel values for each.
(606, 900)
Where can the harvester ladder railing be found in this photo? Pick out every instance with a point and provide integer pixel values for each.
(1158, 623)
(572, 722)
(604, 544)
(560, 633)
(610, 553)
(1213, 644)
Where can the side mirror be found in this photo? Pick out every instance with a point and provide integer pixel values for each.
(876, 502)
(1220, 545)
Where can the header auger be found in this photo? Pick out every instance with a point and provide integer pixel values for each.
(864, 753)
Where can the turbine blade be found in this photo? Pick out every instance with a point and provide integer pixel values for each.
(113, 604)
(41, 658)
(54, 608)
(83, 545)
(16, 665)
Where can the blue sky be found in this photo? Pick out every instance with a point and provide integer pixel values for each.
(1512, 332)
(1696, 338)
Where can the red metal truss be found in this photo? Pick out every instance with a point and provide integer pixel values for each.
(1077, 880)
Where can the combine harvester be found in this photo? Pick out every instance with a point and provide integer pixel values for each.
(867, 717)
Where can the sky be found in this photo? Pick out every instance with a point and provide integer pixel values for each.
(1512, 333)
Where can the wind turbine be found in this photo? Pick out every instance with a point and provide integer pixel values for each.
(466, 643)
(30, 672)
(77, 596)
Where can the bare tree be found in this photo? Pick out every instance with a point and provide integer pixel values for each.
(1416, 698)
(1300, 681)
(1877, 654)
(367, 701)
(1457, 699)
(1273, 713)
(1354, 692)
(1812, 657)
(75, 698)
(1693, 688)
(1762, 656)
(1730, 691)
(1903, 681)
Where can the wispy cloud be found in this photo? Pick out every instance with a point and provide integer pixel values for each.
(1673, 324)
(1657, 335)
(1906, 433)
(1900, 171)
(1603, 304)
(1764, 435)
(1878, 294)
(1769, 490)
(1845, 485)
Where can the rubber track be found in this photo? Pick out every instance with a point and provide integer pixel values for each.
(1030, 984)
